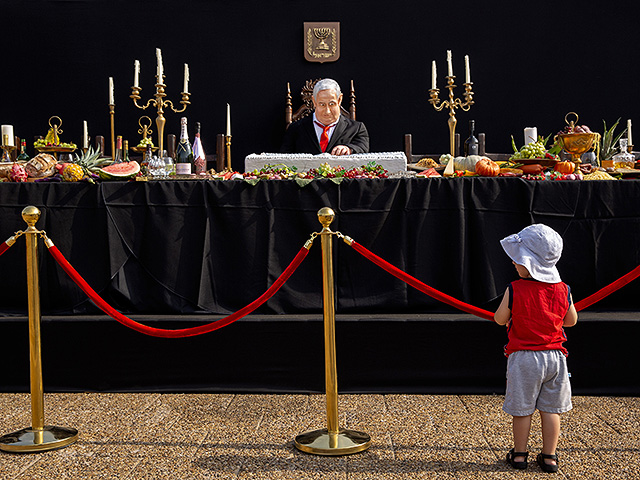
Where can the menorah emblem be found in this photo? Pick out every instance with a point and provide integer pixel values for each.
(322, 41)
(322, 34)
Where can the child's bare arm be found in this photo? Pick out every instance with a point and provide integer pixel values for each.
(503, 313)
(571, 318)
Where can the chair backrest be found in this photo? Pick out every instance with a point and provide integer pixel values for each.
(307, 103)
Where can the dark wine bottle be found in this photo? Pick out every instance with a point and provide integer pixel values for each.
(117, 156)
(23, 157)
(471, 143)
(184, 153)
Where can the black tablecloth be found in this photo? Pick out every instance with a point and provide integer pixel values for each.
(177, 247)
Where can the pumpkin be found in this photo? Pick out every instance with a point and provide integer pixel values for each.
(565, 167)
(487, 168)
(466, 163)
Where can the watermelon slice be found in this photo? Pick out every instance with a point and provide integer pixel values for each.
(119, 171)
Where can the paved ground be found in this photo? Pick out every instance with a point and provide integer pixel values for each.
(167, 436)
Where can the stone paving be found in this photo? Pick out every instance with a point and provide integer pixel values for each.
(227, 436)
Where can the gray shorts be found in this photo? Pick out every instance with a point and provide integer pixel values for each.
(537, 380)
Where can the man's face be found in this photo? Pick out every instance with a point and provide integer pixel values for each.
(327, 105)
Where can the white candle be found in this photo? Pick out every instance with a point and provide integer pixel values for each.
(136, 73)
(433, 75)
(160, 69)
(85, 135)
(467, 70)
(186, 78)
(228, 120)
(530, 135)
(111, 101)
(629, 132)
(449, 67)
(8, 130)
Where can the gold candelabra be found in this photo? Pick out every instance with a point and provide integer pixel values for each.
(452, 103)
(160, 103)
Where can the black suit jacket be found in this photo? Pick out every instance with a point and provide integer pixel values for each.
(301, 137)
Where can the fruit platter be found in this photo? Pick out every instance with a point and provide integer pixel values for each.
(51, 143)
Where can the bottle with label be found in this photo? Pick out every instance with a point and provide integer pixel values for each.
(184, 154)
(471, 143)
(117, 155)
(148, 156)
(23, 151)
(125, 150)
(199, 157)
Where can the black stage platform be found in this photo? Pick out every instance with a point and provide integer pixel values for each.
(442, 354)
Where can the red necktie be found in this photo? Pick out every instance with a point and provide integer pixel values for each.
(324, 138)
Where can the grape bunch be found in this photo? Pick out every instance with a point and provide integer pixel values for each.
(530, 150)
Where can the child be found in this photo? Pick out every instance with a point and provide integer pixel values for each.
(535, 308)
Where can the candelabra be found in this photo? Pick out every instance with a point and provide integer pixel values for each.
(452, 103)
(160, 103)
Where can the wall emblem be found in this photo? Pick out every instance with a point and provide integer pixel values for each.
(321, 41)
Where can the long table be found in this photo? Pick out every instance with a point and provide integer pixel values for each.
(179, 253)
(213, 246)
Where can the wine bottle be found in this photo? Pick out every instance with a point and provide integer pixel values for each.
(471, 143)
(199, 157)
(184, 154)
(23, 151)
(125, 150)
(117, 155)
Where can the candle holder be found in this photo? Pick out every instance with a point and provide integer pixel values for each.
(112, 114)
(452, 103)
(227, 139)
(160, 103)
(6, 153)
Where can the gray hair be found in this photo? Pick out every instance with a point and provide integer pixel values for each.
(326, 84)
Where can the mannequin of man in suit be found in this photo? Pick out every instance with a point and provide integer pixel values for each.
(326, 130)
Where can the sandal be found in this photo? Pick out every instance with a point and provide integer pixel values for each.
(518, 465)
(547, 467)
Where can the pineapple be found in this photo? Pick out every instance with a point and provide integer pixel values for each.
(91, 162)
(72, 173)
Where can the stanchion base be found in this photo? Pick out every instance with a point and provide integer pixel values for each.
(29, 440)
(321, 442)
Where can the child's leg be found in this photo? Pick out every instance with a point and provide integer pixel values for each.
(550, 433)
(521, 428)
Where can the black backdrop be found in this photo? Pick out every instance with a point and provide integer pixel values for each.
(531, 63)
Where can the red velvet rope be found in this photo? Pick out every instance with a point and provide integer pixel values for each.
(612, 287)
(184, 332)
(424, 288)
(4, 246)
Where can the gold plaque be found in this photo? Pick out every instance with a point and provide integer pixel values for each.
(322, 41)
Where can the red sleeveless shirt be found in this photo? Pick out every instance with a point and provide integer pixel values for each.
(537, 314)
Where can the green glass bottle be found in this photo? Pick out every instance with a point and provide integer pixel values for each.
(23, 157)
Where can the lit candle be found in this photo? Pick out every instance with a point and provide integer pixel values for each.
(228, 120)
(467, 70)
(449, 67)
(85, 135)
(8, 131)
(136, 73)
(186, 78)
(111, 101)
(160, 69)
(629, 132)
(433, 75)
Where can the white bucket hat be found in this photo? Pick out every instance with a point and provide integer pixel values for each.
(538, 248)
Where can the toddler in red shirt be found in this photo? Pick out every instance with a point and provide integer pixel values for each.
(535, 309)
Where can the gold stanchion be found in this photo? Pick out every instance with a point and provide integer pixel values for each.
(331, 440)
(39, 437)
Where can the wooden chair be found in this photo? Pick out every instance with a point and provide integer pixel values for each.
(307, 103)
(413, 158)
